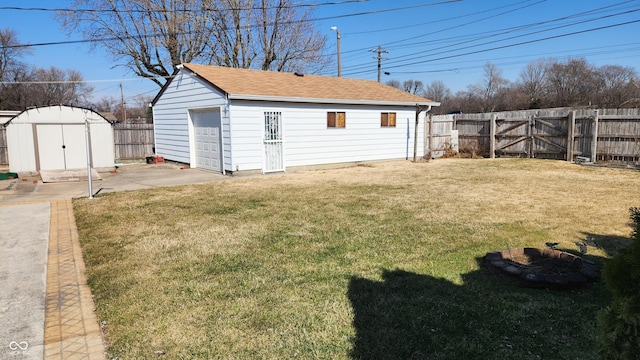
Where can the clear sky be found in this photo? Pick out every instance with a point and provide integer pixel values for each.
(424, 40)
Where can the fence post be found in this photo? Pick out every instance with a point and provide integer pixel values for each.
(431, 135)
(570, 134)
(531, 144)
(594, 141)
(492, 136)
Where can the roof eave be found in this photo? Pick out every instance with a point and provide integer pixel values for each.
(330, 101)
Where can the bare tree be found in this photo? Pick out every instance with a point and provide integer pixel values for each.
(490, 88)
(105, 104)
(14, 93)
(31, 86)
(437, 91)
(532, 82)
(616, 85)
(413, 86)
(13, 71)
(287, 38)
(573, 83)
(151, 37)
(11, 51)
(460, 102)
(394, 83)
(138, 109)
(54, 86)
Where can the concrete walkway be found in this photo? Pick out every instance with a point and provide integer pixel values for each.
(23, 261)
(46, 306)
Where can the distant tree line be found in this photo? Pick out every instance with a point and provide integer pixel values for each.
(23, 85)
(541, 84)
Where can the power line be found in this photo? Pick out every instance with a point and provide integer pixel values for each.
(504, 39)
(476, 36)
(17, 8)
(495, 33)
(431, 22)
(118, 38)
(511, 45)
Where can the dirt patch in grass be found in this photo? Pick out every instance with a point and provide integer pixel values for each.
(377, 261)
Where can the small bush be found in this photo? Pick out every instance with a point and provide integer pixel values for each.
(620, 321)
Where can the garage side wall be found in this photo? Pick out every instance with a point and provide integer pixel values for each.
(308, 140)
(171, 115)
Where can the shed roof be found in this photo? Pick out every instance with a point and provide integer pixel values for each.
(249, 84)
(6, 115)
(59, 114)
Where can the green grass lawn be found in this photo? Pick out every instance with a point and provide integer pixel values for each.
(368, 262)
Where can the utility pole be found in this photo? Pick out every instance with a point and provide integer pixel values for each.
(335, 28)
(380, 51)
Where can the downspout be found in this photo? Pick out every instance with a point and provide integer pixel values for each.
(419, 109)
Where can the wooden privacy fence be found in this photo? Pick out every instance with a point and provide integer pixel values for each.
(611, 135)
(133, 141)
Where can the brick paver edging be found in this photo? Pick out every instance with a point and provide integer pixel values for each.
(71, 329)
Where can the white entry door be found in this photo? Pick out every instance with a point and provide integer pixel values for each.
(206, 126)
(273, 146)
(61, 147)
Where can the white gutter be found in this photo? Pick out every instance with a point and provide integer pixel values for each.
(329, 101)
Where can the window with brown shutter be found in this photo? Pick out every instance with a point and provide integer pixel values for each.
(336, 119)
(388, 119)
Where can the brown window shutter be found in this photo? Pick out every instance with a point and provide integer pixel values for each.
(342, 120)
(384, 119)
(331, 119)
(392, 119)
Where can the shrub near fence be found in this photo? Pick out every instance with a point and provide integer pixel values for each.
(551, 134)
(133, 141)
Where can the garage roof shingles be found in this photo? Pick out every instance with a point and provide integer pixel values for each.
(244, 82)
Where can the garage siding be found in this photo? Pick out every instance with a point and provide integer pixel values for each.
(308, 141)
(172, 127)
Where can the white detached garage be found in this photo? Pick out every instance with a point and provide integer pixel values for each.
(54, 138)
(227, 120)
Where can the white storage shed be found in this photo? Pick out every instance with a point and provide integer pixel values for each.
(227, 119)
(55, 138)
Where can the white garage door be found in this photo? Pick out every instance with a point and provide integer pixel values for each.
(206, 126)
(61, 147)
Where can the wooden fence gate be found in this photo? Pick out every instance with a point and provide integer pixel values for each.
(533, 137)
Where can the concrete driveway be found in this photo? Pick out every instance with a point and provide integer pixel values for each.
(45, 304)
(30, 188)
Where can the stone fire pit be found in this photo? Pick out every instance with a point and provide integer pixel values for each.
(542, 267)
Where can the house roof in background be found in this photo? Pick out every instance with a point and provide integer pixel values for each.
(245, 84)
